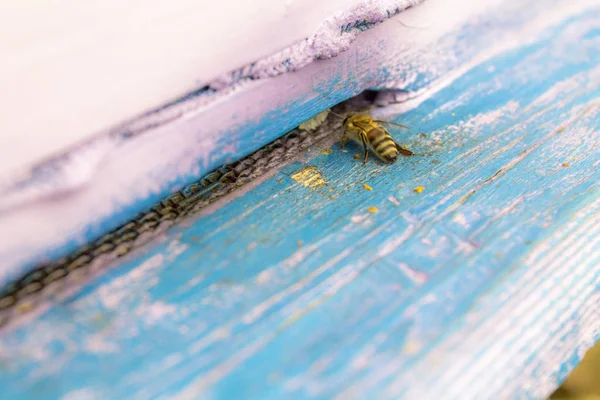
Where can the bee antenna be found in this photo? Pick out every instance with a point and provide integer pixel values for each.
(336, 114)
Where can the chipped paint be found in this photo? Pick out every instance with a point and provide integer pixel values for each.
(116, 291)
(105, 203)
(461, 219)
(263, 277)
(413, 302)
(417, 277)
(394, 200)
(82, 394)
(356, 219)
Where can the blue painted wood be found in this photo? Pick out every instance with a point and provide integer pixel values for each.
(485, 285)
(232, 126)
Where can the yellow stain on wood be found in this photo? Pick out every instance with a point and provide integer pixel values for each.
(419, 189)
(310, 177)
(367, 187)
(373, 209)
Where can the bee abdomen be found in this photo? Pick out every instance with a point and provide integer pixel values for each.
(384, 146)
(390, 156)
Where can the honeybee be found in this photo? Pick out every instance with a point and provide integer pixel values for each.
(365, 130)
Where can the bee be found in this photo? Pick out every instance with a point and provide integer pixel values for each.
(369, 132)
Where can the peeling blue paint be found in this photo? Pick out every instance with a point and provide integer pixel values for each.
(231, 304)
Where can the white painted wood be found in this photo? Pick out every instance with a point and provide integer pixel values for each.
(73, 68)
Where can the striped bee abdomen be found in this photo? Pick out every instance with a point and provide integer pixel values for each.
(372, 135)
(383, 145)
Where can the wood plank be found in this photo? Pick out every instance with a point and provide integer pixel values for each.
(104, 184)
(484, 285)
(55, 57)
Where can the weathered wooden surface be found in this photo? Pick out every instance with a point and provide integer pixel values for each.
(107, 183)
(484, 285)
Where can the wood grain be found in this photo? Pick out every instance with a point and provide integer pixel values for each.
(421, 52)
(484, 285)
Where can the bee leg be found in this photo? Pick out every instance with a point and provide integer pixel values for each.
(343, 141)
(363, 138)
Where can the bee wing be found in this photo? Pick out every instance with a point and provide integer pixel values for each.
(393, 124)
